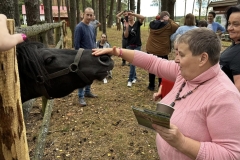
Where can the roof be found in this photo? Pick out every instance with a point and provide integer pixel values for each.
(63, 10)
(223, 3)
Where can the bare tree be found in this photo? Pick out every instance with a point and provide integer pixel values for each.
(93, 5)
(58, 4)
(100, 15)
(48, 19)
(164, 6)
(132, 5)
(119, 6)
(78, 11)
(83, 5)
(7, 8)
(138, 6)
(96, 11)
(104, 28)
(110, 17)
(200, 8)
(193, 6)
(207, 9)
(32, 12)
(73, 19)
(16, 14)
(68, 12)
(170, 7)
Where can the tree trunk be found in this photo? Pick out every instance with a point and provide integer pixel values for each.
(16, 14)
(110, 17)
(200, 7)
(96, 11)
(171, 4)
(164, 6)
(32, 12)
(119, 6)
(185, 7)
(83, 5)
(13, 140)
(68, 12)
(132, 5)
(58, 4)
(78, 11)
(94, 5)
(7, 8)
(48, 19)
(138, 6)
(207, 9)
(73, 19)
(104, 28)
(101, 15)
(193, 6)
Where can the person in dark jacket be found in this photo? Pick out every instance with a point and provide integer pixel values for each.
(159, 42)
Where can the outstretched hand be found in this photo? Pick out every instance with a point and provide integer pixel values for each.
(172, 136)
(110, 51)
(8, 41)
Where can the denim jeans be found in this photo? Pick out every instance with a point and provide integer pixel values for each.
(82, 91)
(132, 73)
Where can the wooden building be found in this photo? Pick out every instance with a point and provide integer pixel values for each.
(63, 14)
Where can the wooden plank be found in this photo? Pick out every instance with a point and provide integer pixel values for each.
(13, 141)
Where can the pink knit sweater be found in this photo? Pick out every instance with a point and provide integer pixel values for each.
(210, 115)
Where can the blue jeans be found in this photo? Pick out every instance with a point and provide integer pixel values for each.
(81, 91)
(132, 73)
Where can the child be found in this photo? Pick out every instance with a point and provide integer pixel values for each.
(103, 43)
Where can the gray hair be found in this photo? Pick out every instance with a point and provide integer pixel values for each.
(202, 40)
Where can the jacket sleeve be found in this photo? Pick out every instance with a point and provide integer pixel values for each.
(174, 25)
(173, 36)
(221, 28)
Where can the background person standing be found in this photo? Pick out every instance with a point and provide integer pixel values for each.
(230, 57)
(215, 26)
(103, 43)
(95, 24)
(84, 37)
(124, 40)
(133, 34)
(158, 42)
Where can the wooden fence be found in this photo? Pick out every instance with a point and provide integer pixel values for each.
(13, 140)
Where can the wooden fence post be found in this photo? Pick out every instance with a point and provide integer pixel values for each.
(13, 141)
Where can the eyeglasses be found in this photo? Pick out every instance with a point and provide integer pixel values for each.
(103, 37)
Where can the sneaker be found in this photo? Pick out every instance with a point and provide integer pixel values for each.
(105, 80)
(90, 95)
(129, 84)
(82, 102)
(134, 81)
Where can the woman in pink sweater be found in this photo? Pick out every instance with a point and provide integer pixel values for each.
(205, 123)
